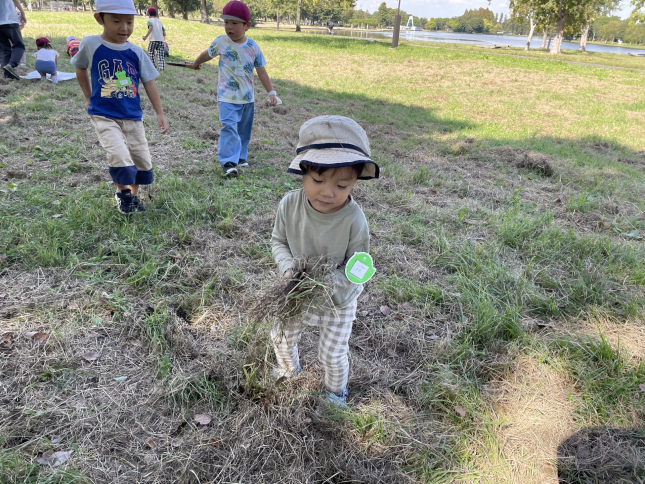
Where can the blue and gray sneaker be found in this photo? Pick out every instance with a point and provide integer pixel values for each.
(336, 399)
(243, 163)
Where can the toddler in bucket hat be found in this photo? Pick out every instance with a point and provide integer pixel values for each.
(321, 221)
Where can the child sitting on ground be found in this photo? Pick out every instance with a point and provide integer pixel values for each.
(46, 59)
(112, 98)
(156, 34)
(73, 45)
(322, 220)
(239, 55)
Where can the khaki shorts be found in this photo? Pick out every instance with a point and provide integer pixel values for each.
(125, 142)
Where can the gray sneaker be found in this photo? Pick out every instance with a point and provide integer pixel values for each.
(243, 163)
(13, 74)
(279, 374)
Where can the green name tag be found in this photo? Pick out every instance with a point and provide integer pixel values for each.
(360, 268)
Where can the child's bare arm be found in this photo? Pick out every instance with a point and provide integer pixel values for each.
(155, 99)
(84, 81)
(148, 34)
(266, 82)
(201, 58)
(23, 19)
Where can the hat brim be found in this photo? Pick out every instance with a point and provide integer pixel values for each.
(334, 158)
(231, 17)
(122, 11)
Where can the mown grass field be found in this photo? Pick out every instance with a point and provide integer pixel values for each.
(506, 230)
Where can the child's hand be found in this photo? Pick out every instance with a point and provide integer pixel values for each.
(163, 124)
(144, 37)
(273, 99)
(194, 65)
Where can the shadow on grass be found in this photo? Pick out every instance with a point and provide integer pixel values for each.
(602, 455)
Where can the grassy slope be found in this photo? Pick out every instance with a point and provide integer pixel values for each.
(495, 272)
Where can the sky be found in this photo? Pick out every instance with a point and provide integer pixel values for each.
(454, 8)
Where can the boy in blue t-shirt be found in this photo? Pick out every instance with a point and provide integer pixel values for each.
(112, 98)
(238, 56)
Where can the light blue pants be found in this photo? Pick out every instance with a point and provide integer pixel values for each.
(46, 67)
(237, 122)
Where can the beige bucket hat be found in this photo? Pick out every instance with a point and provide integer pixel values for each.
(333, 141)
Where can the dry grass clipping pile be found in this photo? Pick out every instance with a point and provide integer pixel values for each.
(310, 286)
(602, 455)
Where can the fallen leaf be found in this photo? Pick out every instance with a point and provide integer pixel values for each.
(215, 442)
(57, 215)
(40, 337)
(176, 442)
(460, 410)
(642, 387)
(55, 440)
(121, 378)
(364, 313)
(149, 459)
(175, 256)
(3, 295)
(37, 336)
(398, 318)
(392, 353)
(7, 339)
(557, 200)
(385, 310)
(203, 419)
(54, 459)
(91, 356)
(150, 443)
(72, 305)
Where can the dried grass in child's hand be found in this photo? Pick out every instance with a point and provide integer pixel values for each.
(309, 287)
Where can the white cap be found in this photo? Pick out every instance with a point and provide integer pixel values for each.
(115, 6)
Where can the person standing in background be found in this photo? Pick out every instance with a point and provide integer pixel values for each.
(11, 44)
(156, 34)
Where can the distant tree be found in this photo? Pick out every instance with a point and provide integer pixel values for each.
(635, 34)
(638, 11)
(184, 6)
(454, 24)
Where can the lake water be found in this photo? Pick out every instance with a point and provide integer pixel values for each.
(475, 39)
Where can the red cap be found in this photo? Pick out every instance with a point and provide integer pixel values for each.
(42, 41)
(236, 10)
(152, 9)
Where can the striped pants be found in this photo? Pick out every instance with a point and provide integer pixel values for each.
(157, 46)
(335, 330)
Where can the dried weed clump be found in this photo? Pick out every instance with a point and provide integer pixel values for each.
(310, 286)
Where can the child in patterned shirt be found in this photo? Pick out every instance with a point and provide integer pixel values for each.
(239, 55)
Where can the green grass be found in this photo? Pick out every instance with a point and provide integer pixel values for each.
(474, 254)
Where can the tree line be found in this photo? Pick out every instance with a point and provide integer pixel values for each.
(555, 20)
